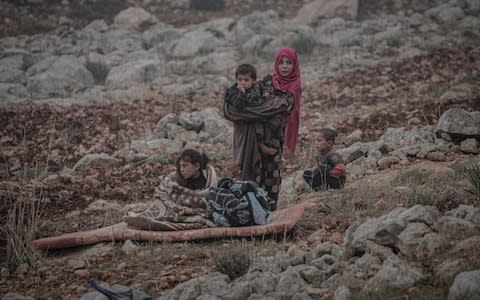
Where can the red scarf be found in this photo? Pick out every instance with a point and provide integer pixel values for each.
(292, 84)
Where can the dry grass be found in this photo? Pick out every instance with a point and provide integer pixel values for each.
(25, 206)
(412, 177)
(472, 175)
(20, 230)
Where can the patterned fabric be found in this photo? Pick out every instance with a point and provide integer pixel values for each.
(239, 203)
(175, 207)
(270, 178)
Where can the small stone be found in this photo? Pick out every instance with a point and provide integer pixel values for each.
(121, 266)
(353, 137)
(64, 21)
(402, 189)
(81, 290)
(297, 260)
(73, 213)
(22, 269)
(412, 290)
(81, 273)
(14, 296)
(436, 156)
(445, 136)
(44, 269)
(165, 282)
(295, 251)
(387, 161)
(414, 121)
(342, 293)
(469, 146)
(336, 238)
(129, 247)
(76, 263)
(380, 204)
(436, 78)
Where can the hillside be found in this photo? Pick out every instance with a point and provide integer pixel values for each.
(383, 79)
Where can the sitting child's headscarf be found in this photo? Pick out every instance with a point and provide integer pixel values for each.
(293, 84)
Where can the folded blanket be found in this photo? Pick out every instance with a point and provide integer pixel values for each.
(248, 122)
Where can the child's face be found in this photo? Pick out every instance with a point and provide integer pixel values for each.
(188, 170)
(285, 66)
(322, 144)
(244, 81)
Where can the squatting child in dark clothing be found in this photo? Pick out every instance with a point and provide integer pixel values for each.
(330, 172)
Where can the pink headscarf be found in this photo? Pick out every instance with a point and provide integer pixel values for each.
(293, 84)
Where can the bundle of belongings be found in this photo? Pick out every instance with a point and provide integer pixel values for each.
(240, 203)
(114, 292)
(229, 203)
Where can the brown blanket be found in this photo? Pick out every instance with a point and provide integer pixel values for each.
(175, 207)
(246, 120)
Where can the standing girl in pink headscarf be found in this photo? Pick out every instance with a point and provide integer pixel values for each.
(284, 85)
(286, 78)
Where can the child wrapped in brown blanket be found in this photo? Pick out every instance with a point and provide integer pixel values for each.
(180, 202)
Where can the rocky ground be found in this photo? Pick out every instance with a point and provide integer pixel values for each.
(41, 146)
(40, 138)
(33, 17)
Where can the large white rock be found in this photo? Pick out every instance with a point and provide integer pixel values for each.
(445, 13)
(58, 76)
(192, 43)
(13, 93)
(465, 286)
(134, 18)
(266, 23)
(133, 73)
(395, 273)
(217, 62)
(459, 122)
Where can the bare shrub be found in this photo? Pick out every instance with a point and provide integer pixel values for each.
(234, 262)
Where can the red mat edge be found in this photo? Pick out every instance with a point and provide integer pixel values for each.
(283, 221)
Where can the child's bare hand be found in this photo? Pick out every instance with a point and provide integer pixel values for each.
(241, 88)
